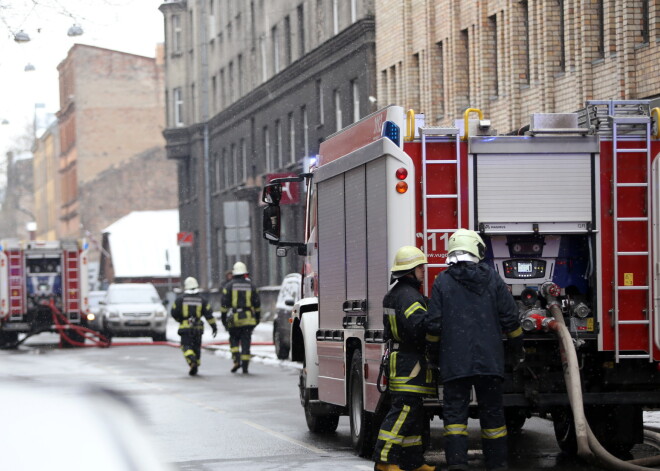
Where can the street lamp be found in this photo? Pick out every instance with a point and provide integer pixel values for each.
(75, 30)
(21, 37)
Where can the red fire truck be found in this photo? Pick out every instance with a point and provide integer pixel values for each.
(571, 200)
(38, 279)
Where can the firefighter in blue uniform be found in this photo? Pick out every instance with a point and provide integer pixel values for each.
(240, 312)
(470, 309)
(399, 444)
(188, 310)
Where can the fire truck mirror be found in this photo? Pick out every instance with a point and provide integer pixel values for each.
(272, 193)
(271, 224)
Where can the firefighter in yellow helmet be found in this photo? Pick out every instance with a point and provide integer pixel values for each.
(240, 311)
(188, 309)
(471, 307)
(409, 377)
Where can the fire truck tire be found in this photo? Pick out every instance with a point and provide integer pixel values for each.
(316, 423)
(515, 419)
(363, 437)
(8, 339)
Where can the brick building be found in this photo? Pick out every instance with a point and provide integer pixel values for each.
(110, 126)
(252, 88)
(511, 58)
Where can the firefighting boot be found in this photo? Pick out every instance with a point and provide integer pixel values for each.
(386, 467)
(245, 366)
(193, 370)
(235, 368)
(425, 467)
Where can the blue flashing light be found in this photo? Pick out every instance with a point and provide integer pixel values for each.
(392, 131)
(85, 245)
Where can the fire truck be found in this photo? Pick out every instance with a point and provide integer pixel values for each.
(43, 287)
(568, 208)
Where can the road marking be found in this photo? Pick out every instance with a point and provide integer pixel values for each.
(284, 437)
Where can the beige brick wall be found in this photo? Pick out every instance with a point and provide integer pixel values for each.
(448, 55)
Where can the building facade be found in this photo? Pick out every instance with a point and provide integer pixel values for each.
(252, 88)
(45, 160)
(511, 58)
(112, 111)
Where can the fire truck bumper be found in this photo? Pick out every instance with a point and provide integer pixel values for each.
(546, 400)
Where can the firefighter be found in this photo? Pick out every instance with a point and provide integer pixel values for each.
(188, 310)
(399, 444)
(470, 308)
(240, 312)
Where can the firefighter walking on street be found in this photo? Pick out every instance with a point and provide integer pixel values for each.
(188, 309)
(240, 311)
(470, 308)
(409, 378)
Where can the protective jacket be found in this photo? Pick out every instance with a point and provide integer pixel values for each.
(470, 308)
(188, 310)
(241, 297)
(405, 319)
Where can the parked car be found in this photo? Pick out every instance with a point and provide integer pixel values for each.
(288, 296)
(93, 318)
(133, 310)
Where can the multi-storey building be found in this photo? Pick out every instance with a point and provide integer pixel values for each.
(511, 58)
(112, 112)
(45, 162)
(252, 87)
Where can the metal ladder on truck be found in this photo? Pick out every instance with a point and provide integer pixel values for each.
(16, 284)
(626, 118)
(72, 301)
(431, 134)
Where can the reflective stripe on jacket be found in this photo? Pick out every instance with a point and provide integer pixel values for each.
(241, 297)
(188, 311)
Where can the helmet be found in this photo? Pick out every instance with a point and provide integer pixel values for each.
(190, 284)
(407, 258)
(239, 269)
(465, 240)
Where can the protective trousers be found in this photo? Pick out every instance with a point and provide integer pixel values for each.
(191, 343)
(491, 416)
(240, 339)
(400, 436)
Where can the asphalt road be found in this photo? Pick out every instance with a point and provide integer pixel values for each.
(220, 421)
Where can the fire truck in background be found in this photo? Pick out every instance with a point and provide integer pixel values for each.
(569, 210)
(39, 279)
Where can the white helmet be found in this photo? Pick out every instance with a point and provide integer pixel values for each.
(239, 269)
(465, 246)
(190, 285)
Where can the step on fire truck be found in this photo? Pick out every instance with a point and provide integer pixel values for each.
(569, 203)
(43, 287)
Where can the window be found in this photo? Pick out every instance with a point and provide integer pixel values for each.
(215, 174)
(301, 30)
(192, 174)
(492, 57)
(264, 64)
(562, 36)
(266, 144)
(214, 93)
(355, 100)
(274, 38)
(335, 16)
(305, 130)
(292, 139)
(243, 167)
(646, 25)
(353, 11)
(234, 164)
(225, 167)
(319, 101)
(278, 149)
(241, 76)
(193, 103)
(337, 102)
(177, 99)
(287, 40)
(230, 91)
(525, 36)
(223, 89)
(176, 34)
(601, 29)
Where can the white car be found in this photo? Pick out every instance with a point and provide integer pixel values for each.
(289, 294)
(133, 310)
(93, 318)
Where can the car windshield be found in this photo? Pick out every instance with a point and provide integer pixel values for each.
(94, 299)
(137, 296)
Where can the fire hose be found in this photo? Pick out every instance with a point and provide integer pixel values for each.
(588, 445)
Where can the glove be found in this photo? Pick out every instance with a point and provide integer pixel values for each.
(517, 352)
(215, 330)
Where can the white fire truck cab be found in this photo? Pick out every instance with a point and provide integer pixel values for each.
(37, 280)
(568, 206)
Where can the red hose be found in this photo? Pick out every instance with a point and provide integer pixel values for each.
(62, 324)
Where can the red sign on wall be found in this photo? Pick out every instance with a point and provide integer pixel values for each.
(185, 239)
(290, 190)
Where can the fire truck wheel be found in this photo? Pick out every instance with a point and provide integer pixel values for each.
(8, 339)
(362, 429)
(316, 423)
(515, 419)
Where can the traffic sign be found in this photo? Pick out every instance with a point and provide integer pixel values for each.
(185, 239)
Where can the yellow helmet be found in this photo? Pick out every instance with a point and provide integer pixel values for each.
(466, 240)
(407, 258)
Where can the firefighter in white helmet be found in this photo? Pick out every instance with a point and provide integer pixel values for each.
(240, 313)
(409, 378)
(188, 309)
(470, 308)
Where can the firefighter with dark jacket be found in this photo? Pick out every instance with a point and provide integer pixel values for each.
(188, 310)
(240, 311)
(470, 310)
(409, 378)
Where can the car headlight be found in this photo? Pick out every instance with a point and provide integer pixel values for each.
(91, 316)
(160, 313)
